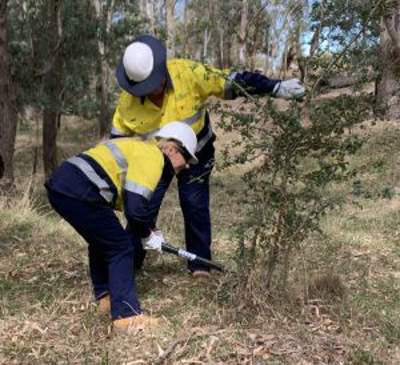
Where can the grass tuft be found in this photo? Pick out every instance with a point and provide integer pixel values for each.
(327, 287)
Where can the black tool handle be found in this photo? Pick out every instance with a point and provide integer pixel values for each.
(166, 247)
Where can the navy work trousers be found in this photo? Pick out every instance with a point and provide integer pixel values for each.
(194, 197)
(111, 251)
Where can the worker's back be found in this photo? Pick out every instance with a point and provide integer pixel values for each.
(109, 168)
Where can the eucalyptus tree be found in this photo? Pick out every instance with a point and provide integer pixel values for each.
(170, 26)
(388, 86)
(148, 11)
(347, 36)
(53, 82)
(62, 53)
(52, 48)
(104, 17)
(363, 39)
(8, 114)
(116, 23)
(198, 24)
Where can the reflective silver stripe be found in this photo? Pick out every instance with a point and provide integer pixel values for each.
(118, 155)
(189, 121)
(138, 189)
(228, 89)
(120, 159)
(205, 139)
(104, 188)
(147, 135)
(117, 132)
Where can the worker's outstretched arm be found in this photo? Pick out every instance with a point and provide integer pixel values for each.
(255, 83)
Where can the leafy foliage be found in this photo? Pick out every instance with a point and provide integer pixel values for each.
(80, 32)
(291, 157)
(349, 35)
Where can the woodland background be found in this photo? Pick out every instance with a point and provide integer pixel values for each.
(58, 57)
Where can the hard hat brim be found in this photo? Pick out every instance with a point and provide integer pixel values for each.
(157, 76)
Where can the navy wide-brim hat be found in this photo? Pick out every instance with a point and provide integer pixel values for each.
(157, 75)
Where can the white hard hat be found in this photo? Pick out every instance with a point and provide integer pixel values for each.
(143, 67)
(138, 61)
(182, 133)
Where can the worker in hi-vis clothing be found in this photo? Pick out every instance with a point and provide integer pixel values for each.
(156, 92)
(119, 174)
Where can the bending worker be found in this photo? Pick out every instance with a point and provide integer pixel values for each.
(156, 92)
(118, 174)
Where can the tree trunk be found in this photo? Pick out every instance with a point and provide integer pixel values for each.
(267, 64)
(185, 37)
(254, 43)
(253, 51)
(227, 45)
(242, 33)
(283, 67)
(221, 47)
(314, 46)
(147, 9)
(315, 40)
(150, 16)
(170, 22)
(205, 45)
(104, 18)
(52, 87)
(8, 113)
(388, 86)
(293, 55)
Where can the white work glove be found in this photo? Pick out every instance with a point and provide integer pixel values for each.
(159, 234)
(153, 242)
(289, 89)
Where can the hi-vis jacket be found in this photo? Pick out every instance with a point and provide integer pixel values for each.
(189, 85)
(121, 173)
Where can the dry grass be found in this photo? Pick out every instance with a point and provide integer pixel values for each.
(47, 315)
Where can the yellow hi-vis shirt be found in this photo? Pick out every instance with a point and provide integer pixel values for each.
(133, 166)
(192, 84)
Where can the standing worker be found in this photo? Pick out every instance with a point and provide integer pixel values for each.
(156, 92)
(118, 174)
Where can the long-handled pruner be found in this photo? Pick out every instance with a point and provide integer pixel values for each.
(166, 247)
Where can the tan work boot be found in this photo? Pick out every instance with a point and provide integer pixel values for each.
(104, 305)
(201, 274)
(139, 322)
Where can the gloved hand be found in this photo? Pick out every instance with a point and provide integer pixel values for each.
(289, 89)
(153, 242)
(159, 233)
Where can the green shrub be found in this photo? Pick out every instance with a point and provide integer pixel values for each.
(291, 158)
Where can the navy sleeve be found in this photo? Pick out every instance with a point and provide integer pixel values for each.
(136, 208)
(254, 83)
